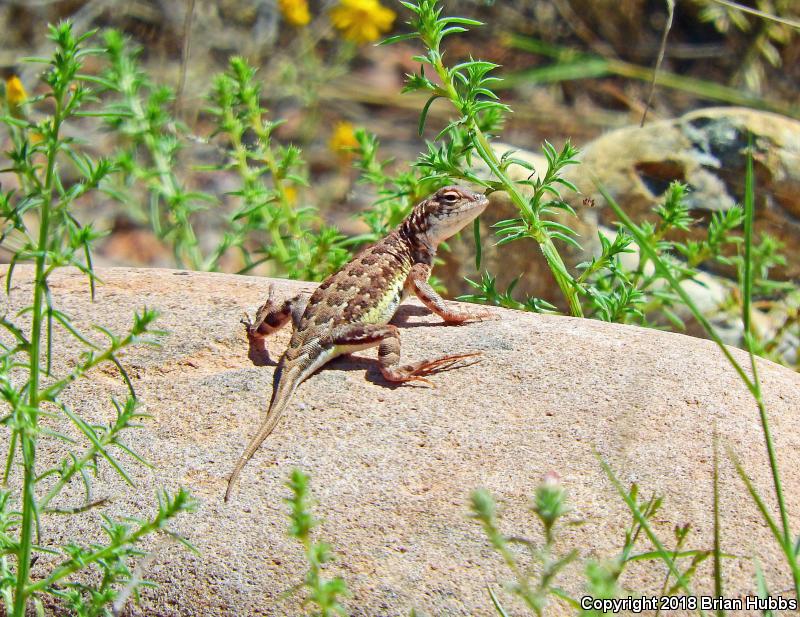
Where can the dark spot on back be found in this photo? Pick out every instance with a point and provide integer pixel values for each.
(357, 270)
(355, 308)
(378, 280)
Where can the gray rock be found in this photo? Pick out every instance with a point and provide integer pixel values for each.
(706, 149)
(392, 467)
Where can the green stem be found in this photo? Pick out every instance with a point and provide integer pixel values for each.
(277, 239)
(250, 179)
(66, 477)
(169, 188)
(54, 389)
(753, 384)
(776, 479)
(747, 295)
(78, 464)
(30, 422)
(564, 280)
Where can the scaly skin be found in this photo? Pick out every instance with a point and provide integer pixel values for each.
(351, 309)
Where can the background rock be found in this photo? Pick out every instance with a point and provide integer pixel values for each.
(392, 467)
(705, 149)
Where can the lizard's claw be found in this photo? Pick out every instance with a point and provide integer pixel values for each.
(262, 313)
(447, 363)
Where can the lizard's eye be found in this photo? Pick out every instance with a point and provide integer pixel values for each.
(451, 197)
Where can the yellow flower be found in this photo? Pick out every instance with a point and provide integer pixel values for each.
(15, 94)
(343, 141)
(362, 21)
(15, 91)
(295, 12)
(290, 195)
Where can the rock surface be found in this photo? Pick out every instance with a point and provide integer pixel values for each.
(392, 467)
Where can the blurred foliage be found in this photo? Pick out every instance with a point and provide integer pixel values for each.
(766, 37)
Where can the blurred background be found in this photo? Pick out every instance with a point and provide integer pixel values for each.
(578, 70)
(572, 68)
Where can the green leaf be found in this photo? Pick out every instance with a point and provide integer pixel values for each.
(424, 114)
(496, 603)
(476, 233)
(397, 38)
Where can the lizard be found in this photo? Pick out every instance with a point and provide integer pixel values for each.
(351, 309)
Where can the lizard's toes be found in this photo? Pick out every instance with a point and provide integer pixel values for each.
(446, 363)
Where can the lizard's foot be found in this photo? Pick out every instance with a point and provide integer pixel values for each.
(249, 328)
(418, 371)
(451, 313)
(257, 351)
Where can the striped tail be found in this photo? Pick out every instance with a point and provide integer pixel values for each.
(285, 383)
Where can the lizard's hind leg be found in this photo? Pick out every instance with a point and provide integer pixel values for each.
(270, 317)
(355, 337)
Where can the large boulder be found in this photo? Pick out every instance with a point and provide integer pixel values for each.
(392, 466)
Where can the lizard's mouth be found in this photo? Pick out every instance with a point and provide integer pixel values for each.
(473, 208)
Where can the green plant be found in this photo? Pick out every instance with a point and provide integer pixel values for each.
(467, 87)
(620, 284)
(262, 220)
(549, 505)
(637, 293)
(612, 285)
(781, 531)
(39, 225)
(299, 243)
(140, 116)
(535, 582)
(773, 29)
(322, 593)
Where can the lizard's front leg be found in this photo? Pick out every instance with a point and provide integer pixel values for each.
(355, 337)
(270, 317)
(418, 283)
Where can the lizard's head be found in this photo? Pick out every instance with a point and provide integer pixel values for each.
(446, 212)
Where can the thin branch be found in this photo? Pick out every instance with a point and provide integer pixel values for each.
(187, 44)
(747, 9)
(662, 48)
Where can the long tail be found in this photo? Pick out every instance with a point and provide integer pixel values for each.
(284, 386)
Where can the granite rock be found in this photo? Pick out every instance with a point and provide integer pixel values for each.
(392, 467)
